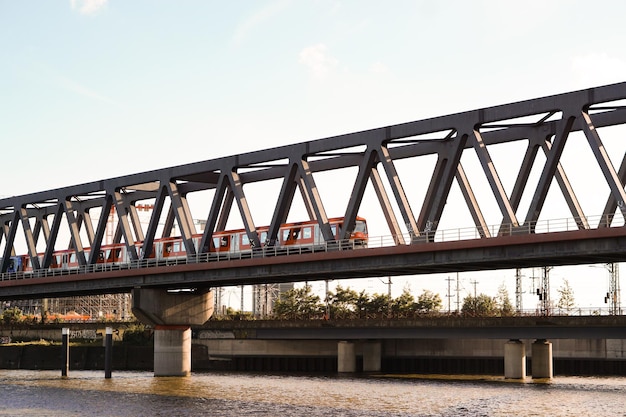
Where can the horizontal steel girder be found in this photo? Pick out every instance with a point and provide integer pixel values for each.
(563, 248)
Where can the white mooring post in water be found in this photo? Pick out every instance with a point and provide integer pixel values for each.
(108, 352)
(65, 347)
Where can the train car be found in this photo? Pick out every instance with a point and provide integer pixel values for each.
(301, 234)
(291, 235)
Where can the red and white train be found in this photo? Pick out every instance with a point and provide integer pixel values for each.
(291, 235)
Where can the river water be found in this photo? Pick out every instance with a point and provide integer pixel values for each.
(86, 393)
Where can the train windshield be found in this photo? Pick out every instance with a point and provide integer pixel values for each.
(360, 226)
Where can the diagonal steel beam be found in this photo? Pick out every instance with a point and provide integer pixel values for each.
(98, 234)
(244, 209)
(612, 179)
(75, 240)
(549, 169)
(390, 217)
(366, 168)
(472, 203)
(285, 200)
(214, 212)
(124, 225)
(398, 191)
(439, 187)
(9, 226)
(508, 213)
(568, 191)
(611, 202)
(314, 197)
(54, 233)
(183, 217)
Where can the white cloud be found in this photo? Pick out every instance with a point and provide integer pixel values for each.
(318, 60)
(88, 7)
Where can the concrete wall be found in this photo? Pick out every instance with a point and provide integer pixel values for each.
(562, 348)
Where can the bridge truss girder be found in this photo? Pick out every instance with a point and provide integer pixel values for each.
(45, 218)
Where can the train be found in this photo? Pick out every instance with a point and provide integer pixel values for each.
(306, 235)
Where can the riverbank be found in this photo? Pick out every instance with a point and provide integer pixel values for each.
(140, 358)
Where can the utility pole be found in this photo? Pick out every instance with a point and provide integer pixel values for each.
(458, 294)
(544, 291)
(613, 296)
(474, 284)
(449, 294)
(389, 294)
(518, 290)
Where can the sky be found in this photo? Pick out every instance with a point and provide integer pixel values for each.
(94, 89)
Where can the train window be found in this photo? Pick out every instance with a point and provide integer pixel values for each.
(221, 241)
(333, 229)
(294, 234)
(72, 258)
(245, 240)
(285, 235)
(263, 237)
(306, 233)
(167, 248)
(101, 256)
(176, 247)
(360, 226)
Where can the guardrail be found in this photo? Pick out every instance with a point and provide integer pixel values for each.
(468, 233)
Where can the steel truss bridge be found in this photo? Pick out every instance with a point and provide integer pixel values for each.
(388, 162)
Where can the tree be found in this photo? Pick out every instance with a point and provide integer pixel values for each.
(404, 304)
(428, 302)
(480, 306)
(298, 302)
(12, 315)
(380, 304)
(566, 297)
(362, 304)
(342, 302)
(504, 302)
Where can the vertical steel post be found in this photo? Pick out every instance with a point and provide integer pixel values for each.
(108, 354)
(65, 347)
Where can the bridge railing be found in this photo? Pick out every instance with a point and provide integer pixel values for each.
(467, 233)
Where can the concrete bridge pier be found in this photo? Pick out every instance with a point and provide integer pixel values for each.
(542, 359)
(172, 314)
(515, 359)
(346, 357)
(372, 356)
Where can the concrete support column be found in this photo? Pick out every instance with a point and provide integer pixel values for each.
(172, 351)
(542, 359)
(372, 353)
(514, 360)
(346, 357)
(172, 314)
